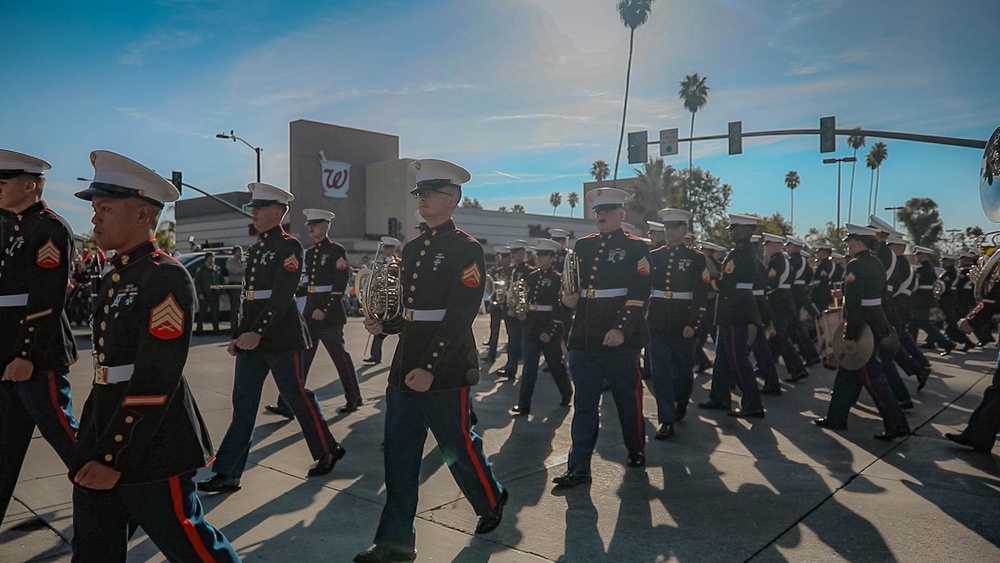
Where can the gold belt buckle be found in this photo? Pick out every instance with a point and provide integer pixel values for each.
(312, 289)
(591, 293)
(533, 307)
(100, 375)
(249, 295)
(668, 294)
(408, 314)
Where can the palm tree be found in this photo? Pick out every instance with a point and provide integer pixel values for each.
(633, 13)
(502, 208)
(879, 152)
(555, 200)
(600, 170)
(792, 180)
(694, 92)
(517, 208)
(855, 141)
(573, 198)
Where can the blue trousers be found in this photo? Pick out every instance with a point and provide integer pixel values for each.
(376, 350)
(496, 314)
(766, 368)
(590, 371)
(533, 348)
(783, 344)
(43, 400)
(515, 337)
(847, 388)
(921, 321)
(409, 415)
(892, 377)
(169, 511)
(251, 369)
(333, 340)
(672, 364)
(732, 367)
(984, 424)
(907, 342)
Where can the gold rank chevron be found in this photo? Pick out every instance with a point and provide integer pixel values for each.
(292, 263)
(48, 256)
(166, 320)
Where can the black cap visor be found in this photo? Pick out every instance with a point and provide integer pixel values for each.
(101, 189)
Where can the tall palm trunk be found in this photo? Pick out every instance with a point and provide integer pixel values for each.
(628, 76)
(871, 184)
(878, 173)
(793, 210)
(691, 147)
(850, 198)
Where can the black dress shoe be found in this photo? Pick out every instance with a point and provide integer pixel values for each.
(887, 436)
(565, 402)
(280, 411)
(518, 410)
(350, 407)
(220, 484)
(383, 554)
(798, 376)
(326, 463)
(489, 522)
(773, 391)
(702, 368)
(682, 411)
(922, 377)
(968, 346)
(740, 413)
(960, 439)
(712, 405)
(826, 423)
(372, 361)
(946, 351)
(665, 432)
(636, 460)
(572, 478)
(506, 372)
(906, 406)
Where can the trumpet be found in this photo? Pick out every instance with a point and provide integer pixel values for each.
(571, 273)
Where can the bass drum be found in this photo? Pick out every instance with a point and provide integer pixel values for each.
(826, 327)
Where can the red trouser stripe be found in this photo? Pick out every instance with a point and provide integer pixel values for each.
(480, 470)
(189, 529)
(297, 360)
(60, 412)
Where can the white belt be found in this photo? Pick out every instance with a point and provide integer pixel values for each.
(758, 292)
(425, 315)
(871, 302)
(257, 295)
(744, 286)
(19, 300)
(604, 293)
(800, 282)
(673, 294)
(925, 287)
(321, 289)
(541, 308)
(104, 375)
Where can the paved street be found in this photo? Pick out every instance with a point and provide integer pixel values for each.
(722, 490)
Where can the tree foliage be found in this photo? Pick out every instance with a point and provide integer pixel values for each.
(633, 13)
(517, 208)
(600, 170)
(555, 200)
(573, 199)
(694, 93)
(704, 195)
(922, 220)
(829, 235)
(775, 224)
(470, 203)
(651, 190)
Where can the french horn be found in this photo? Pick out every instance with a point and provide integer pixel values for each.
(989, 178)
(379, 288)
(985, 274)
(571, 273)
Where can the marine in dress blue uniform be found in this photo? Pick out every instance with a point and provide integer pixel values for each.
(270, 336)
(543, 328)
(141, 436)
(765, 367)
(680, 283)
(923, 301)
(443, 274)
(714, 253)
(36, 345)
(864, 286)
(736, 313)
(608, 332)
(820, 291)
(324, 278)
(903, 283)
(519, 270)
(784, 314)
(495, 303)
(800, 276)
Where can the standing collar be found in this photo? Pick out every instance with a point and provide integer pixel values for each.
(272, 232)
(446, 227)
(120, 261)
(32, 209)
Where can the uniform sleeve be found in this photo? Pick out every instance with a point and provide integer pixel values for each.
(638, 284)
(852, 302)
(341, 272)
(283, 287)
(166, 305)
(47, 292)
(465, 290)
(700, 291)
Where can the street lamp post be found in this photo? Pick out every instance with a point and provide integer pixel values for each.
(838, 161)
(232, 135)
(894, 209)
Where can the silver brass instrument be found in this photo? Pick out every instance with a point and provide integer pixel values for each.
(939, 287)
(379, 287)
(498, 294)
(984, 274)
(571, 273)
(517, 297)
(989, 178)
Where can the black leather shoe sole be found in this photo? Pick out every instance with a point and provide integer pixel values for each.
(709, 405)
(219, 485)
(886, 436)
(740, 413)
(961, 440)
(636, 460)
(772, 391)
(350, 407)
(824, 423)
(489, 522)
(275, 409)
(379, 554)
(665, 432)
(570, 479)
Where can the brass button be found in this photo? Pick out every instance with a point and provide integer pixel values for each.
(422, 252)
(427, 243)
(409, 300)
(119, 437)
(100, 341)
(104, 325)
(414, 275)
(413, 288)
(111, 293)
(100, 357)
(108, 457)
(115, 277)
(106, 309)
(418, 261)
(129, 420)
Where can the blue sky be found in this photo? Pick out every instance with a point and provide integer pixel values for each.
(525, 93)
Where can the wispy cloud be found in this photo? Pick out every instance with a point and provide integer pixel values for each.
(142, 116)
(506, 174)
(159, 41)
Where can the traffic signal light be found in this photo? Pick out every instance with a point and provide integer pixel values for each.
(175, 178)
(828, 134)
(638, 147)
(735, 137)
